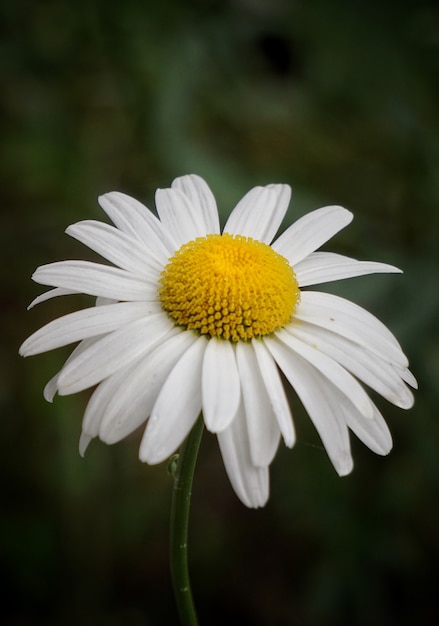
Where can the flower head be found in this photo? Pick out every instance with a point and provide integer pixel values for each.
(189, 319)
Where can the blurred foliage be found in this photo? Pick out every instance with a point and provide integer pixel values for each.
(339, 99)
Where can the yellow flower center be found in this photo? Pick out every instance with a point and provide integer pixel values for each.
(229, 286)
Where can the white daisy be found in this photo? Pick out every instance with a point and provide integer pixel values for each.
(190, 320)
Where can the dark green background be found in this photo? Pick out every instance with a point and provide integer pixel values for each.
(339, 99)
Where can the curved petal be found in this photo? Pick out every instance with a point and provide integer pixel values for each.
(125, 251)
(374, 433)
(52, 293)
(84, 442)
(221, 391)
(320, 400)
(84, 324)
(183, 219)
(134, 396)
(113, 352)
(96, 280)
(263, 430)
(351, 321)
(323, 267)
(99, 402)
(105, 396)
(310, 232)
(276, 392)
(406, 375)
(368, 367)
(335, 373)
(200, 196)
(177, 407)
(51, 388)
(251, 484)
(259, 213)
(134, 218)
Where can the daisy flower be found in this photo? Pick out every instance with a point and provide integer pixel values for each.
(190, 319)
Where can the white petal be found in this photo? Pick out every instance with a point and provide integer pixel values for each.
(127, 396)
(336, 374)
(200, 196)
(182, 218)
(323, 267)
(85, 323)
(317, 396)
(125, 251)
(113, 352)
(406, 375)
(374, 433)
(276, 392)
(96, 280)
(135, 396)
(52, 293)
(102, 399)
(251, 484)
(84, 441)
(263, 430)
(134, 218)
(99, 402)
(51, 387)
(221, 390)
(177, 407)
(368, 367)
(259, 213)
(101, 301)
(310, 232)
(283, 197)
(351, 321)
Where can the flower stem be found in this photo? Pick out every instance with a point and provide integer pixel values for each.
(181, 499)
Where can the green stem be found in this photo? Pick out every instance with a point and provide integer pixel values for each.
(181, 500)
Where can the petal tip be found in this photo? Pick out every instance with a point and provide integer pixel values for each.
(344, 466)
(84, 442)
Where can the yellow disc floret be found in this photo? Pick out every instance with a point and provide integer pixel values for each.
(230, 287)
